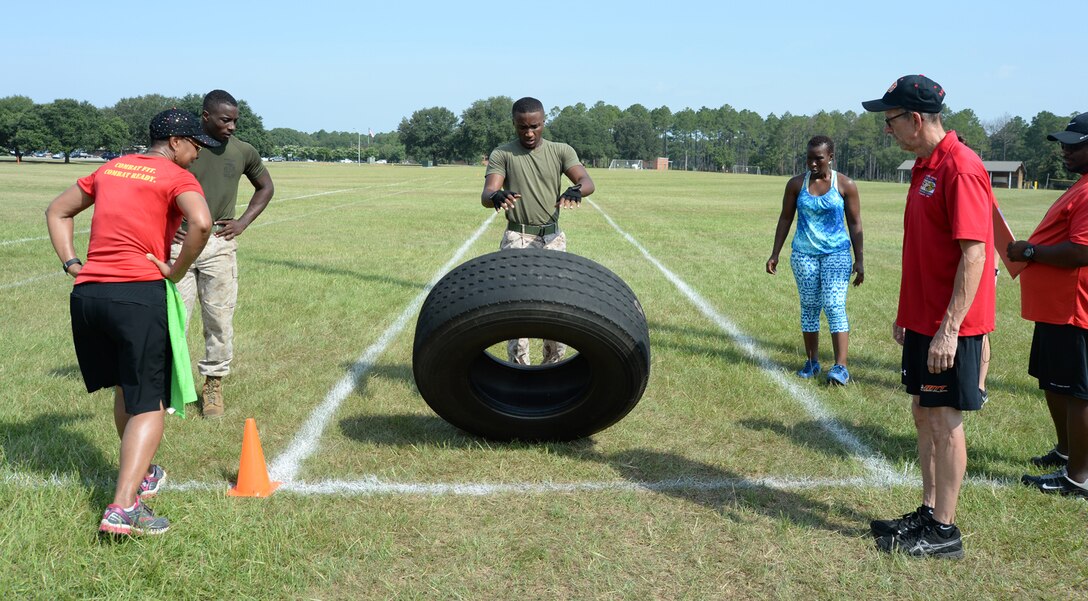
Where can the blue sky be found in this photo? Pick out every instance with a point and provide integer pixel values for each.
(350, 66)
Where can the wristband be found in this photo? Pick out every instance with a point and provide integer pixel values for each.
(71, 262)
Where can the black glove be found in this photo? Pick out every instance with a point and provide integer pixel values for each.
(573, 193)
(499, 196)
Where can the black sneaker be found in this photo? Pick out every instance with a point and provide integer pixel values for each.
(904, 523)
(1059, 483)
(1051, 459)
(1029, 480)
(927, 541)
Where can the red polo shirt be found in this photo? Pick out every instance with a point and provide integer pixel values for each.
(1059, 295)
(949, 200)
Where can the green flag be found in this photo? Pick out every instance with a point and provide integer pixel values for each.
(182, 386)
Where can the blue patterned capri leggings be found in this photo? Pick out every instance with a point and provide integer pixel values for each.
(822, 281)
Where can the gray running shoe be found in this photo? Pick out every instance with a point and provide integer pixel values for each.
(152, 482)
(140, 520)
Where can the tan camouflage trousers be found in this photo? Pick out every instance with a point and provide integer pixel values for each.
(213, 278)
(518, 350)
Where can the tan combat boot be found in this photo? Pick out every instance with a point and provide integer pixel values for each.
(213, 397)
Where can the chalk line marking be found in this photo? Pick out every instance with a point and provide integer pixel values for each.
(87, 231)
(372, 486)
(286, 466)
(30, 280)
(21, 240)
(878, 467)
(254, 226)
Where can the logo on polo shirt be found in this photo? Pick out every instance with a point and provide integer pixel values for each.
(929, 186)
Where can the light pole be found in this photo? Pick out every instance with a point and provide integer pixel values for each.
(359, 148)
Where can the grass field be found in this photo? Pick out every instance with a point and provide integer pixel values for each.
(731, 479)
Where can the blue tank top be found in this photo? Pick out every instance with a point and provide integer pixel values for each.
(821, 221)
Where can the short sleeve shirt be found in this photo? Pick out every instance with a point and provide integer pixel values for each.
(135, 213)
(537, 175)
(949, 200)
(218, 171)
(1051, 294)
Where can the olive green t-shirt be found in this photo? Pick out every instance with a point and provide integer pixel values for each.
(218, 171)
(537, 175)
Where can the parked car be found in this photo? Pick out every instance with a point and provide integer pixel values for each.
(58, 155)
(109, 156)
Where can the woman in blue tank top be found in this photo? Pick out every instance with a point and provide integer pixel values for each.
(828, 223)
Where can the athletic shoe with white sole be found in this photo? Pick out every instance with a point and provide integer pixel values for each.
(152, 482)
(903, 523)
(1059, 483)
(926, 541)
(1051, 459)
(810, 370)
(141, 520)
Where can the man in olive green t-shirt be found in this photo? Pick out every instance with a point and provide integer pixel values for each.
(524, 177)
(213, 277)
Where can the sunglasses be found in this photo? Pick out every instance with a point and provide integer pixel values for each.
(195, 144)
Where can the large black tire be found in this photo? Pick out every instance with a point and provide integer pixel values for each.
(531, 294)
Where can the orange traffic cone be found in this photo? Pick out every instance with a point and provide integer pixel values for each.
(252, 471)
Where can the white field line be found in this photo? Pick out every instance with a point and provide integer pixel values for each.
(40, 238)
(306, 441)
(21, 240)
(256, 225)
(878, 467)
(372, 486)
(30, 280)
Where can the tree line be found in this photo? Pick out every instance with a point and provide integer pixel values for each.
(704, 139)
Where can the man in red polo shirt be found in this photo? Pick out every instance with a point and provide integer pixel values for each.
(946, 307)
(1054, 294)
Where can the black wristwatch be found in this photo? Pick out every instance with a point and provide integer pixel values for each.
(1029, 252)
(71, 262)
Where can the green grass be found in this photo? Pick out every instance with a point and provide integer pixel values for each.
(338, 256)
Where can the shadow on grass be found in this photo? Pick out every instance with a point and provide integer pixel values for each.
(728, 493)
(67, 372)
(896, 448)
(402, 372)
(336, 271)
(679, 339)
(45, 445)
(412, 430)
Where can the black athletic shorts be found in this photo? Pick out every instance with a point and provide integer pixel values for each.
(956, 387)
(121, 339)
(1059, 359)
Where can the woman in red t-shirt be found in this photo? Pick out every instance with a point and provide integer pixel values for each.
(118, 303)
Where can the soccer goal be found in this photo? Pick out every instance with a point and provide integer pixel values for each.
(625, 164)
(750, 169)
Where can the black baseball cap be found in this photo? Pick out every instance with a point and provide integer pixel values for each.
(916, 93)
(1075, 133)
(176, 122)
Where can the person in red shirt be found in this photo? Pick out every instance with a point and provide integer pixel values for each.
(118, 304)
(946, 307)
(1054, 295)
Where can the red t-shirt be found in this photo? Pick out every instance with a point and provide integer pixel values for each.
(949, 200)
(135, 213)
(1059, 295)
